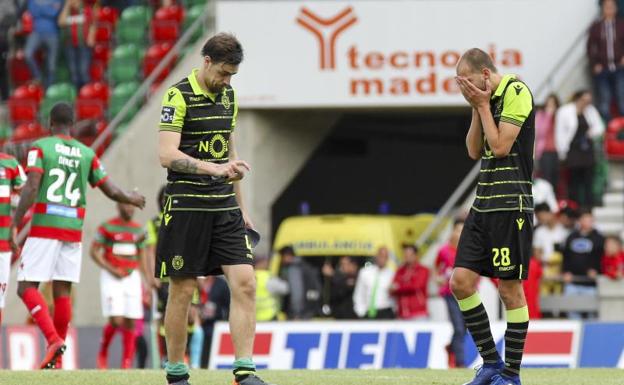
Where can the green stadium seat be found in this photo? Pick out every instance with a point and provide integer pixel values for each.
(193, 3)
(133, 25)
(193, 14)
(59, 92)
(125, 64)
(121, 94)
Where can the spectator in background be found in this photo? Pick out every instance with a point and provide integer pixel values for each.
(444, 268)
(548, 240)
(545, 149)
(577, 124)
(568, 216)
(371, 297)
(341, 287)
(409, 286)
(77, 21)
(612, 264)
(269, 290)
(304, 299)
(214, 299)
(8, 18)
(605, 51)
(543, 192)
(45, 33)
(581, 259)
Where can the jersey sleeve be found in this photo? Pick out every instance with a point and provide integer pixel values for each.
(235, 113)
(34, 161)
(97, 174)
(151, 234)
(172, 111)
(19, 177)
(517, 104)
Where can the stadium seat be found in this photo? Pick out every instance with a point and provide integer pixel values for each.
(193, 14)
(97, 71)
(18, 69)
(59, 92)
(28, 131)
(121, 94)
(103, 32)
(166, 23)
(102, 53)
(92, 101)
(95, 90)
(124, 66)
(192, 3)
(133, 25)
(107, 15)
(154, 55)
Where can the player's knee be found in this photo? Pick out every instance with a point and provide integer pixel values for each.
(247, 287)
(511, 293)
(460, 286)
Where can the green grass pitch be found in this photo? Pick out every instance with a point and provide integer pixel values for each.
(311, 377)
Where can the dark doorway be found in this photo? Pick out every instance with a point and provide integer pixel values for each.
(400, 163)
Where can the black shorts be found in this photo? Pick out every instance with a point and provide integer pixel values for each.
(497, 244)
(198, 243)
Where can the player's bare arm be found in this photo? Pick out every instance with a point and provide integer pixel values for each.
(147, 271)
(237, 186)
(112, 191)
(27, 198)
(97, 254)
(172, 158)
(500, 138)
(474, 138)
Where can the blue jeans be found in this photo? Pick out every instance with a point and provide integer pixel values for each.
(607, 83)
(51, 42)
(79, 61)
(572, 289)
(459, 329)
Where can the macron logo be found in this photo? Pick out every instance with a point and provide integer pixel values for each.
(326, 31)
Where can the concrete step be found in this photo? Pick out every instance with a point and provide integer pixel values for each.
(610, 228)
(616, 185)
(609, 214)
(613, 199)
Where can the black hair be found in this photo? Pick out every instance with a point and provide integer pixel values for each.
(62, 114)
(286, 250)
(542, 207)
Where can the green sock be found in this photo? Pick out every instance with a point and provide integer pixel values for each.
(177, 369)
(244, 366)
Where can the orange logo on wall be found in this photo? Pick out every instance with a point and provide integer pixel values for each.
(326, 32)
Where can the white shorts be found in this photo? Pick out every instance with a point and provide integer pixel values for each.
(45, 260)
(5, 270)
(121, 297)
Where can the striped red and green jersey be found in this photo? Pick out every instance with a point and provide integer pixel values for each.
(11, 178)
(122, 242)
(67, 165)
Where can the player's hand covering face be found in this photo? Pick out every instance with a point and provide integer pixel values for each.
(475, 96)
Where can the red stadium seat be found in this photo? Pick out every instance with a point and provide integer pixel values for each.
(154, 55)
(95, 91)
(18, 69)
(107, 15)
(171, 13)
(28, 131)
(102, 53)
(103, 32)
(97, 71)
(164, 31)
(24, 103)
(89, 109)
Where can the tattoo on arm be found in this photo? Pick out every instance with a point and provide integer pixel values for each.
(184, 165)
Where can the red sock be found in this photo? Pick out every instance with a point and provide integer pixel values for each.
(128, 344)
(107, 336)
(39, 311)
(62, 315)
